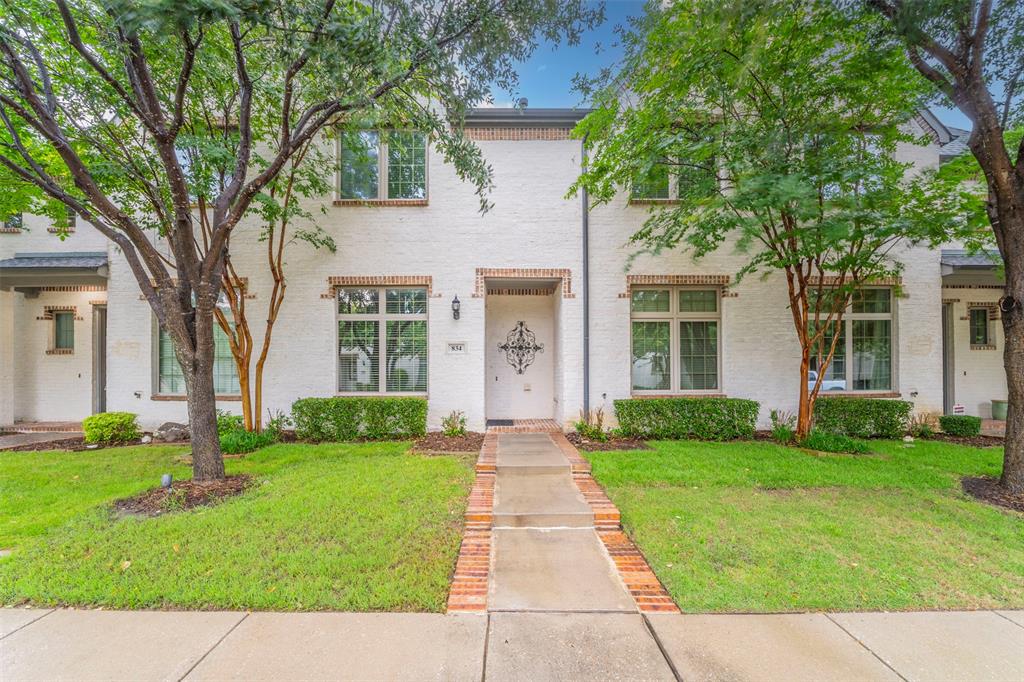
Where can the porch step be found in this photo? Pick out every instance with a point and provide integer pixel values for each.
(543, 499)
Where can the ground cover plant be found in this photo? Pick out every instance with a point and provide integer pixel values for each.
(755, 526)
(357, 527)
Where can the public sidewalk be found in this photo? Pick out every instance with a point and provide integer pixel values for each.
(149, 645)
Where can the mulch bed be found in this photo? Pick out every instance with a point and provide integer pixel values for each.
(971, 441)
(612, 443)
(988, 490)
(436, 441)
(183, 495)
(78, 444)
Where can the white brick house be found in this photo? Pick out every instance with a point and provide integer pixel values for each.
(377, 315)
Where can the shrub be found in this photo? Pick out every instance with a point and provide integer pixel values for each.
(590, 425)
(454, 425)
(960, 425)
(340, 419)
(783, 426)
(862, 417)
(238, 441)
(703, 418)
(833, 442)
(111, 427)
(922, 425)
(229, 422)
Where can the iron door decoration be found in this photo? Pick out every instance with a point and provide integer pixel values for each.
(521, 347)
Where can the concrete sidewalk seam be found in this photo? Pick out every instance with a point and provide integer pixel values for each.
(631, 612)
(215, 645)
(22, 627)
(866, 647)
(661, 648)
(1009, 619)
(487, 644)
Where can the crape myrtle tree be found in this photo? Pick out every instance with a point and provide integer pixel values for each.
(132, 113)
(972, 53)
(779, 125)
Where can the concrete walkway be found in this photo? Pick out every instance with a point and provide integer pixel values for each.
(558, 609)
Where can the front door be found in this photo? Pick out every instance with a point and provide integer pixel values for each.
(520, 356)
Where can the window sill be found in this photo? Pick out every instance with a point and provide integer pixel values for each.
(985, 346)
(653, 202)
(860, 394)
(676, 395)
(182, 398)
(381, 202)
(60, 351)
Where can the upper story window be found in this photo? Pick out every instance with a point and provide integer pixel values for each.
(382, 340)
(13, 223)
(383, 165)
(676, 344)
(863, 359)
(674, 180)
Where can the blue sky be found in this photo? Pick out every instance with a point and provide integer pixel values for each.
(546, 78)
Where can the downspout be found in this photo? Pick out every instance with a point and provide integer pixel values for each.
(586, 280)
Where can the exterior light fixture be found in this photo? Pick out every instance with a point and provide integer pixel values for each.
(455, 308)
(165, 481)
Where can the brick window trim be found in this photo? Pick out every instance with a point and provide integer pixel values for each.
(48, 312)
(641, 201)
(832, 280)
(10, 230)
(642, 281)
(654, 396)
(381, 202)
(482, 274)
(987, 346)
(60, 351)
(860, 394)
(169, 397)
(336, 282)
(517, 133)
(57, 230)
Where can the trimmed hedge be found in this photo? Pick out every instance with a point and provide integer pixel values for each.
(862, 417)
(961, 425)
(340, 419)
(111, 427)
(673, 418)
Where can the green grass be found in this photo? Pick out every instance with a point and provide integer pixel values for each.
(354, 527)
(758, 527)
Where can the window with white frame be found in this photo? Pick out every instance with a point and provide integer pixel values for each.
(382, 165)
(382, 339)
(170, 380)
(863, 359)
(675, 339)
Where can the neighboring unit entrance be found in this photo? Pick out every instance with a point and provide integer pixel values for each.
(521, 352)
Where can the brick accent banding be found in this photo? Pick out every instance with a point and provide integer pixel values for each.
(859, 394)
(676, 280)
(57, 230)
(678, 395)
(468, 591)
(380, 202)
(832, 280)
(973, 286)
(564, 274)
(951, 300)
(72, 288)
(521, 292)
(60, 351)
(49, 310)
(378, 281)
(990, 346)
(520, 134)
(182, 398)
(10, 230)
(652, 202)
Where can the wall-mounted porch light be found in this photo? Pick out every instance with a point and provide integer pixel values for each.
(455, 307)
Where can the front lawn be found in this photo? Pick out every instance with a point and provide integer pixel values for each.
(354, 527)
(750, 526)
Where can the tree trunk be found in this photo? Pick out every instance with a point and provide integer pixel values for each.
(1012, 313)
(207, 462)
(805, 410)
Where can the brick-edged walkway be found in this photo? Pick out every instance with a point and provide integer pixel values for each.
(544, 488)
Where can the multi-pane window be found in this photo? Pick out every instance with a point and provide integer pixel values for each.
(13, 222)
(64, 331)
(397, 157)
(979, 327)
(171, 380)
(655, 185)
(676, 344)
(863, 359)
(382, 340)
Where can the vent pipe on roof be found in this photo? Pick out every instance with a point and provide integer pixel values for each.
(523, 103)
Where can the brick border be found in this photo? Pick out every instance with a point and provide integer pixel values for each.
(470, 582)
(722, 281)
(528, 426)
(641, 583)
(335, 282)
(516, 134)
(564, 274)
